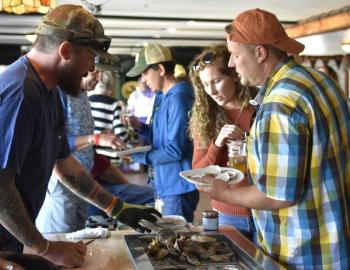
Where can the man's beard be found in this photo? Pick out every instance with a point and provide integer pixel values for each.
(69, 82)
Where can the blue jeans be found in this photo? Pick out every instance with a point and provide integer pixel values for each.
(243, 224)
(128, 193)
(183, 204)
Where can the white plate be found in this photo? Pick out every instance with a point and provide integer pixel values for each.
(173, 222)
(115, 153)
(189, 175)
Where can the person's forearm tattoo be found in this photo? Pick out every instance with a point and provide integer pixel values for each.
(87, 188)
(14, 216)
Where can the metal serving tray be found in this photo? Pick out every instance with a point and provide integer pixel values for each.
(136, 242)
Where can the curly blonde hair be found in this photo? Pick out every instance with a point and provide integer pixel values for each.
(207, 117)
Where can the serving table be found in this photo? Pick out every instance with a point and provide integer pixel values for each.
(113, 254)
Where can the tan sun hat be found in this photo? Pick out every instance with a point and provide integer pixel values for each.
(151, 54)
(258, 27)
(75, 24)
(180, 71)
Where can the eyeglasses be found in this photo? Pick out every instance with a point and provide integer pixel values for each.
(206, 59)
(96, 43)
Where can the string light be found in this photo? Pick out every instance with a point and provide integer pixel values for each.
(26, 6)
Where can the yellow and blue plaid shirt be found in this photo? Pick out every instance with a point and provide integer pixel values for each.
(299, 150)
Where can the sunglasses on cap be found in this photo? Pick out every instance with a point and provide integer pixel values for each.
(96, 43)
(204, 60)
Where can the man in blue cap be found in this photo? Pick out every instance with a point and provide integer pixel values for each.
(167, 131)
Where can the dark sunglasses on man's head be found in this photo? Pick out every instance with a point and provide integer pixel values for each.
(97, 44)
(205, 59)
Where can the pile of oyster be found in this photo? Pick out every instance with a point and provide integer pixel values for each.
(194, 249)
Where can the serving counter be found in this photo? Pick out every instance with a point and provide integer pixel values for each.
(113, 254)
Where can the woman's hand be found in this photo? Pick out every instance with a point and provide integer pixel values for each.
(229, 132)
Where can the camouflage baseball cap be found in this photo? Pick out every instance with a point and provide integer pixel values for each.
(107, 62)
(76, 25)
(151, 54)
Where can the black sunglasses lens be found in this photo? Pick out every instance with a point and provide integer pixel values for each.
(196, 65)
(208, 58)
(105, 43)
(99, 44)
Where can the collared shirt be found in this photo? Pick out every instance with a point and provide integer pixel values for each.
(299, 151)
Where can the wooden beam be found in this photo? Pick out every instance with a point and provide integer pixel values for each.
(320, 25)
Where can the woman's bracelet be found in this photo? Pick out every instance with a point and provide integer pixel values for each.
(111, 205)
(94, 139)
(46, 248)
(97, 139)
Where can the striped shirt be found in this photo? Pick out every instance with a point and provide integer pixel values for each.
(299, 151)
(107, 113)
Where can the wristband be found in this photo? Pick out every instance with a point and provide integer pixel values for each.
(46, 249)
(97, 139)
(116, 209)
(111, 205)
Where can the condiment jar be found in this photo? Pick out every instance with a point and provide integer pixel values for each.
(210, 220)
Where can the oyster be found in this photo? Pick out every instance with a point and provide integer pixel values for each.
(212, 170)
(222, 257)
(191, 258)
(166, 236)
(232, 174)
(162, 253)
(180, 243)
(202, 238)
(224, 176)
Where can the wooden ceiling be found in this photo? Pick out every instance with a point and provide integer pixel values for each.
(324, 23)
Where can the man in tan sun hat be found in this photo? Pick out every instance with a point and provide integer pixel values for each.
(167, 131)
(298, 149)
(33, 138)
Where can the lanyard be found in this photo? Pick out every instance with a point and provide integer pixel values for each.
(156, 104)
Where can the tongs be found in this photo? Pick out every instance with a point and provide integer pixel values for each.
(150, 226)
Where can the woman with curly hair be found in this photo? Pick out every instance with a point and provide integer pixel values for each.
(221, 112)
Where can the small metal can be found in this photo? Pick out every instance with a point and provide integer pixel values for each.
(210, 220)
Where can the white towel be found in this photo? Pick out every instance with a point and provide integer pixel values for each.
(89, 233)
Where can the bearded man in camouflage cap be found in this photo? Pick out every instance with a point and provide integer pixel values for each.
(33, 139)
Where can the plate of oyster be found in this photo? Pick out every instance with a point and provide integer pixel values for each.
(229, 175)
